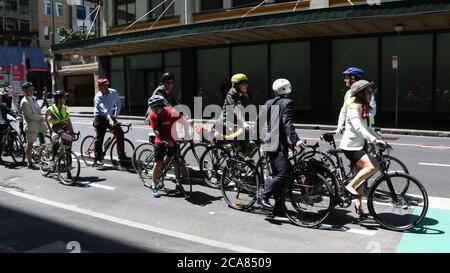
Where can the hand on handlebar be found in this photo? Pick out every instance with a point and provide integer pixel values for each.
(301, 144)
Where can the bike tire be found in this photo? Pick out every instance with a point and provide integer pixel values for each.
(17, 149)
(185, 178)
(212, 165)
(64, 165)
(136, 152)
(193, 154)
(381, 204)
(127, 145)
(319, 156)
(45, 164)
(232, 185)
(146, 158)
(87, 150)
(307, 189)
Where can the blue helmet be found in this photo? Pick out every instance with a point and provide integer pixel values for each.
(354, 71)
(156, 101)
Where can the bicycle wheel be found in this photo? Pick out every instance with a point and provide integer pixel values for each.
(134, 158)
(212, 164)
(68, 168)
(17, 149)
(145, 159)
(308, 200)
(395, 209)
(128, 149)
(88, 150)
(45, 164)
(192, 155)
(239, 185)
(393, 164)
(37, 149)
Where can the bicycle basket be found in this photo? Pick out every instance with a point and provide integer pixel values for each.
(66, 141)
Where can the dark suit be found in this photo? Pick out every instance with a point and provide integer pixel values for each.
(5, 110)
(279, 114)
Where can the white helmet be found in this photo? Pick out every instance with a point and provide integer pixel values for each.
(282, 87)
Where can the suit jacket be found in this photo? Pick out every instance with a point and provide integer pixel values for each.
(278, 113)
(34, 121)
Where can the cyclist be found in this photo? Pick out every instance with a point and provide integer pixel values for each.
(60, 119)
(4, 111)
(107, 108)
(162, 120)
(34, 121)
(278, 147)
(166, 89)
(236, 98)
(356, 135)
(352, 75)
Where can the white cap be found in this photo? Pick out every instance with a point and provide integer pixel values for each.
(282, 87)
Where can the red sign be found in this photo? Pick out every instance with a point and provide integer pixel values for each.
(18, 72)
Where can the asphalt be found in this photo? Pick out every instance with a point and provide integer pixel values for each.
(111, 211)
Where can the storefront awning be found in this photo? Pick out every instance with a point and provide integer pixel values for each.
(13, 55)
(415, 15)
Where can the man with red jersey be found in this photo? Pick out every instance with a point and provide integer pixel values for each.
(163, 121)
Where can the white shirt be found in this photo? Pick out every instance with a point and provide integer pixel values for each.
(357, 131)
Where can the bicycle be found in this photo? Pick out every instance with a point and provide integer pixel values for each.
(213, 159)
(166, 171)
(37, 150)
(88, 146)
(243, 181)
(65, 163)
(11, 144)
(392, 190)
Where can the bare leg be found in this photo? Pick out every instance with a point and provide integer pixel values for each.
(155, 173)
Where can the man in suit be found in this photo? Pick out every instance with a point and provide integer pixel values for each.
(34, 121)
(280, 131)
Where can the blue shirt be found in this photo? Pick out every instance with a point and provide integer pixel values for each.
(105, 104)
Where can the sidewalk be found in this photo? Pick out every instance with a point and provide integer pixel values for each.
(87, 112)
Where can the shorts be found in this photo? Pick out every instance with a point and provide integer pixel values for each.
(161, 151)
(355, 156)
(31, 136)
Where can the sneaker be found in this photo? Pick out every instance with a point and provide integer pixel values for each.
(69, 175)
(179, 189)
(31, 166)
(155, 192)
(97, 163)
(124, 158)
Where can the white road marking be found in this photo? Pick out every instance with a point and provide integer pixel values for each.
(434, 164)
(101, 186)
(133, 224)
(437, 202)
(347, 229)
(362, 231)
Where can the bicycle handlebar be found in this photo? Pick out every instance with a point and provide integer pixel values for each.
(75, 136)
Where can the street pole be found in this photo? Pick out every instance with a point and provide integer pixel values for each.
(399, 29)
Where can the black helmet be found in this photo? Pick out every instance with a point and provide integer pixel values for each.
(168, 76)
(59, 93)
(26, 85)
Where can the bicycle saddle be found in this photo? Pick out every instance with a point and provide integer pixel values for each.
(335, 151)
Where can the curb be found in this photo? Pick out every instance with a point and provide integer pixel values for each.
(411, 132)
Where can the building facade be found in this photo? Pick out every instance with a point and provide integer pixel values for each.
(204, 42)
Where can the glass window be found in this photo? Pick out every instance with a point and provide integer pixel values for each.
(415, 73)
(292, 61)
(253, 61)
(116, 63)
(59, 9)
(172, 58)
(91, 11)
(47, 31)
(47, 7)
(125, 11)
(156, 13)
(25, 25)
(12, 24)
(118, 83)
(245, 3)
(146, 61)
(11, 5)
(362, 53)
(442, 73)
(81, 12)
(24, 6)
(213, 66)
(207, 5)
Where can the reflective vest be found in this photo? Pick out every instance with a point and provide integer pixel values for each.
(58, 116)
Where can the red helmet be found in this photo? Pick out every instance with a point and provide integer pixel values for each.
(103, 81)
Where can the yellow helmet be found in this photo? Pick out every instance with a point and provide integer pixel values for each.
(238, 78)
